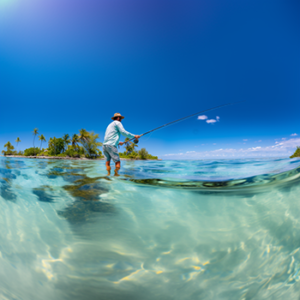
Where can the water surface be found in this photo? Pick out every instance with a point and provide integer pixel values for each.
(227, 229)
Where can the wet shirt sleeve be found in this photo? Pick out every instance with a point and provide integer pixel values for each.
(123, 131)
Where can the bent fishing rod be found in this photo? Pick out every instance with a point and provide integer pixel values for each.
(181, 119)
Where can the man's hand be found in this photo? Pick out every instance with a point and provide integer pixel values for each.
(121, 143)
(137, 136)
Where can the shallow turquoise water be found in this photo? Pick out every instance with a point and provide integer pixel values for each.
(227, 229)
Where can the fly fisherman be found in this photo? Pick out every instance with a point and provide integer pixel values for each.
(111, 141)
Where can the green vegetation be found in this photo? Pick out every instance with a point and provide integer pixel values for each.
(84, 144)
(60, 146)
(18, 141)
(56, 146)
(75, 140)
(130, 146)
(131, 153)
(297, 153)
(90, 145)
(67, 141)
(9, 149)
(143, 153)
(83, 135)
(35, 132)
(32, 151)
(42, 139)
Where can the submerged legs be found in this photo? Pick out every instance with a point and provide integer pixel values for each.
(108, 168)
(118, 166)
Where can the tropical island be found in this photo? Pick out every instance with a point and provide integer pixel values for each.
(297, 153)
(84, 145)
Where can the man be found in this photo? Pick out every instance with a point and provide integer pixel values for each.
(111, 141)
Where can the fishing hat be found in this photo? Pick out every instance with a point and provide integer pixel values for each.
(117, 115)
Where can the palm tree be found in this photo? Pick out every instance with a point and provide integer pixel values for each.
(75, 140)
(9, 147)
(18, 141)
(129, 146)
(91, 145)
(42, 139)
(66, 139)
(35, 132)
(83, 135)
(52, 143)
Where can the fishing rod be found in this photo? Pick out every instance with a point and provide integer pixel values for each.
(181, 119)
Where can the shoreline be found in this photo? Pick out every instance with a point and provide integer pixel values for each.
(72, 158)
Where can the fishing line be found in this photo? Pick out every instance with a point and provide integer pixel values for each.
(181, 119)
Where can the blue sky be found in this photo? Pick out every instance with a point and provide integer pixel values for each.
(67, 65)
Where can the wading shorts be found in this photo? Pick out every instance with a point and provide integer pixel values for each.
(111, 152)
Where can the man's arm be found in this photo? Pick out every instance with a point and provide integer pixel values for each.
(124, 132)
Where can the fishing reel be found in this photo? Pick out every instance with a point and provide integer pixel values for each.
(136, 141)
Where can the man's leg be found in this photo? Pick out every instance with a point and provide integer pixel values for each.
(118, 166)
(108, 168)
(108, 158)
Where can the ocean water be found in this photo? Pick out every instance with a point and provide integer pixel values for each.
(227, 229)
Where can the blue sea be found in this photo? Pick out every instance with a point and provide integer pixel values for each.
(205, 229)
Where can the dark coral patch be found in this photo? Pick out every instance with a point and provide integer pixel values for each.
(86, 188)
(87, 192)
(9, 173)
(84, 211)
(67, 176)
(42, 194)
(6, 191)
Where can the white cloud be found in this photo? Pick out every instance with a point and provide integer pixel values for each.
(211, 121)
(284, 148)
(294, 134)
(245, 140)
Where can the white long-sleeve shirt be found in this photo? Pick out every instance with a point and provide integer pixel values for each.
(113, 132)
